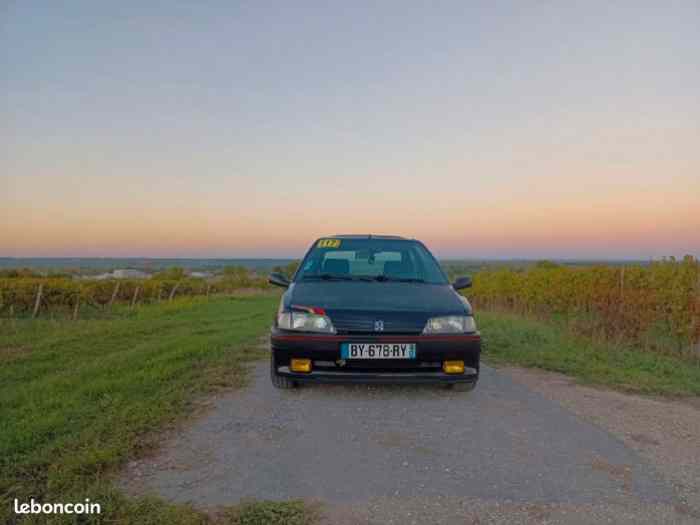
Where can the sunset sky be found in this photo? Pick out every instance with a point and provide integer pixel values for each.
(223, 129)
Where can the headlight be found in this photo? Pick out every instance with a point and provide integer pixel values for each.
(451, 324)
(305, 322)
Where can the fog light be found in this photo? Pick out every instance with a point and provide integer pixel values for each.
(453, 367)
(301, 365)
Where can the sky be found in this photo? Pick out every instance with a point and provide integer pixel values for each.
(248, 129)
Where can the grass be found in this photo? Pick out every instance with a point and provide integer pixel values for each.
(272, 513)
(79, 398)
(514, 340)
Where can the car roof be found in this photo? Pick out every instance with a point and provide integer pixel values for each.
(370, 236)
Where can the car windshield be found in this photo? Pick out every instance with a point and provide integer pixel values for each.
(370, 259)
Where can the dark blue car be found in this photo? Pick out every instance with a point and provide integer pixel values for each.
(367, 309)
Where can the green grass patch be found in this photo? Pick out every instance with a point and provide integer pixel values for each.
(79, 398)
(272, 513)
(514, 340)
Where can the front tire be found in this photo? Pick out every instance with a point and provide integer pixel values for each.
(281, 382)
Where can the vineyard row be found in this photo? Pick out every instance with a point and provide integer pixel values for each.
(655, 306)
(35, 296)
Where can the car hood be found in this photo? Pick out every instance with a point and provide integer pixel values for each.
(432, 299)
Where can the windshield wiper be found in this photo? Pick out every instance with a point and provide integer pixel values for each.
(329, 277)
(384, 278)
(366, 278)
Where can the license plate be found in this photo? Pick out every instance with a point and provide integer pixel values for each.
(378, 350)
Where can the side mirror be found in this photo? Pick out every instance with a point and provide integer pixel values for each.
(278, 279)
(462, 282)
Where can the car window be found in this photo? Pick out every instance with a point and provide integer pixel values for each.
(377, 259)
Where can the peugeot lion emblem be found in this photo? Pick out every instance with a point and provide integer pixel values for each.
(379, 326)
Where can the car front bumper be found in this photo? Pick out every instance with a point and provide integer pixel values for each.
(328, 367)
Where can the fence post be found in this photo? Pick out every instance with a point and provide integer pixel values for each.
(76, 307)
(12, 317)
(133, 300)
(622, 283)
(37, 303)
(114, 294)
(172, 292)
(208, 289)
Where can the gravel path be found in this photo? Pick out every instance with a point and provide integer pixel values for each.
(504, 453)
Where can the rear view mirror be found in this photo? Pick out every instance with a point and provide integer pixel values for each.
(278, 279)
(462, 282)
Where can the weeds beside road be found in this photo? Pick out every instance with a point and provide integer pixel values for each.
(78, 398)
(513, 340)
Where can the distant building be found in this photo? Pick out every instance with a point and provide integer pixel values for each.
(119, 274)
(200, 275)
(129, 274)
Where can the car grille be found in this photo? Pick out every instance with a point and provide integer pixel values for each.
(374, 365)
(393, 323)
(390, 364)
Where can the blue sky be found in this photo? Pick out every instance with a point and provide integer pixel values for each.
(242, 129)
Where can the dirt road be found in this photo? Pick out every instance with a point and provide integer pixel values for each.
(505, 452)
